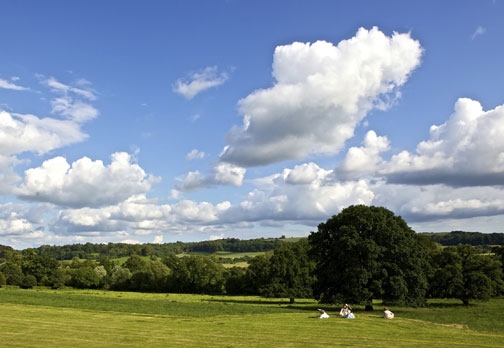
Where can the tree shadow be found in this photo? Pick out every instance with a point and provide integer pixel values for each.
(300, 305)
(448, 305)
(258, 302)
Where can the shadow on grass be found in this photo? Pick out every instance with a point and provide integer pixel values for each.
(257, 302)
(301, 305)
(449, 305)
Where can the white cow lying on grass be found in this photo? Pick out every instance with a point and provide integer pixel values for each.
(323, 314)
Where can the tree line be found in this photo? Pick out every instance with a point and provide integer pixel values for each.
(484, 241)
(471, 238)
(117, 250)
(361, 254)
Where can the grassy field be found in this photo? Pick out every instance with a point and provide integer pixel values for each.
(72, 318)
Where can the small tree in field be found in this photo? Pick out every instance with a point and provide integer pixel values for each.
(29, 282)
(367, 253)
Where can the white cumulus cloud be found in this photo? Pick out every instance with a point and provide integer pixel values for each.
(363, 160)
(85, 183)
(222, 174)
(466, 150)
(320, 95)
(305, 193)
(29, 133)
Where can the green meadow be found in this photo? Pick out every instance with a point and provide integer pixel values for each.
(86, 318)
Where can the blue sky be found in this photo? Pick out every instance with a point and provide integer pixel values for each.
(164, 121)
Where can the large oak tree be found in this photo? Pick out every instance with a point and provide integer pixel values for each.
(367, 253)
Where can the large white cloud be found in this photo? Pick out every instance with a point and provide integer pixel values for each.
(85, 183)
(439, 202)
(305, 193)
(29, 133)
(139, 216)
(26, 133)
(321, 93)
(466, 150)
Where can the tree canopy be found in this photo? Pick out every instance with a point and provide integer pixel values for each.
(367, 253)
(289, 272)
(459, 272)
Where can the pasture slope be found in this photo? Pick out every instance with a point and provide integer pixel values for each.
(77, 318)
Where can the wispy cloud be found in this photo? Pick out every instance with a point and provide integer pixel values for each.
(200, 81)
(72, 102)
(9, 85)
(65, 89)
(479, 31)
(195, 154)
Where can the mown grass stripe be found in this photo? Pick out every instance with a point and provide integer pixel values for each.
(237, 322)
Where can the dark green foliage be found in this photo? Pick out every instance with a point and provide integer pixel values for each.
(13, 273)
(289, 272)
(195, 274)
(234, 245)
(58, 278)
(41, 267)
(482, 275)
(135, 264)
(257, 275)
(236, 281)
(3, 280)
(6, 252)
(120, 278)
(361, 254)
(85, 278)
(116, 250)
(152, 278)
(447, 278)
(498, 251)
(28, 282)
(367, 253)
(106, 263)
(472, 238)
(11, 269)
(460, 272)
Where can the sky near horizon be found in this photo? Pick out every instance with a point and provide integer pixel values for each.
(163, 121)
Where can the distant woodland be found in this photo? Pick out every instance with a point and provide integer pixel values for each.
(232, 245)
(461, 237)
(117, 250)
